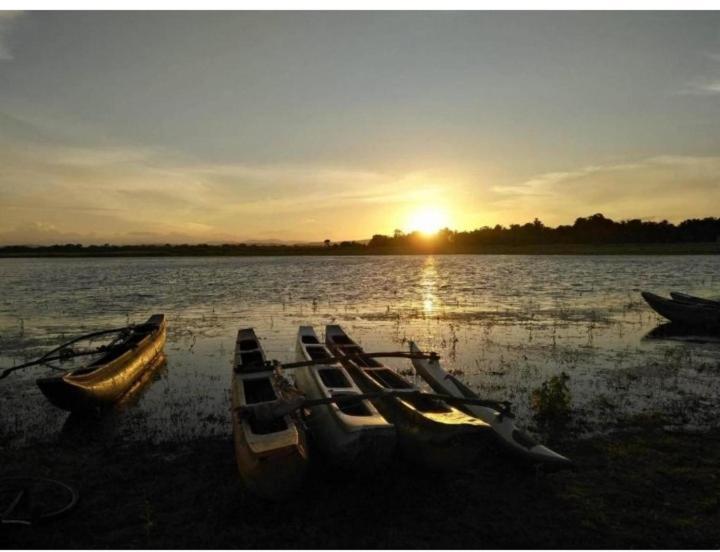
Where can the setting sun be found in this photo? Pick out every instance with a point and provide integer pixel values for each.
(428, 220)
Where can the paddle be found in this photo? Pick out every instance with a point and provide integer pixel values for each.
(66, 355)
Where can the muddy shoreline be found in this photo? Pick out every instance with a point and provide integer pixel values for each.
(640, 488)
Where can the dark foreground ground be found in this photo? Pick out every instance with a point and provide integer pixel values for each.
(647, 489)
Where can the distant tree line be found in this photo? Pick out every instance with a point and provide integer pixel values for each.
(595, 229)
(583, 235)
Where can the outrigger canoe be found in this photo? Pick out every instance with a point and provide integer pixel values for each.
(351, 433)
(502, 425)
(428, 430)
(271, 455)
(104, 381)
(684, 312)
(685, 298)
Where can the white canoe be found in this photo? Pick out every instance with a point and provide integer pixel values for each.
(430, 432)
(351, 433)
(503, 426)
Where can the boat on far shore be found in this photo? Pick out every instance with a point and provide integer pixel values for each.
(685, 312)
(685, 298)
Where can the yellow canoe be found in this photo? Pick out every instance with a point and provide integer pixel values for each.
(271, 456)
(107, 379)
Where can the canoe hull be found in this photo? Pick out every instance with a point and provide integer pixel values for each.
(360, 440)
(506, 433)
(439, 438)
(276, 473)
(442, 442)
(271, 459)
(108, 383)
(684, 312)
(685, 298)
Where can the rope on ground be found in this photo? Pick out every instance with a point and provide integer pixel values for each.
(25, 492)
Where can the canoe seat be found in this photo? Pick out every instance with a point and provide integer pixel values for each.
(251, 361)
(389, 379)
(333, 378)
(260, 390)
(318, 353)
(356, 407)
(248, 345)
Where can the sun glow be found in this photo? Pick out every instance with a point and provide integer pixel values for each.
(428, 220)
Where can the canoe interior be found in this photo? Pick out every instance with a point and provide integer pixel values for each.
(139, 333)
(334, 380)
(386, 379)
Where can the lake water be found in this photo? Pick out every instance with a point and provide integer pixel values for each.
(504, 323)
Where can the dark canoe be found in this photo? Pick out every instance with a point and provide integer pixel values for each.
(685, 298)
(107, 379)
(685, 313)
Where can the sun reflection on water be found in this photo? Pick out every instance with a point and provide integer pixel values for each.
(429, 285)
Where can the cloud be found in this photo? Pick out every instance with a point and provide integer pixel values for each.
(706, 88)
(671, 187)
(98, 194)
(7, 20)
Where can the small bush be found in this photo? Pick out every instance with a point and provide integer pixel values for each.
(551, 402)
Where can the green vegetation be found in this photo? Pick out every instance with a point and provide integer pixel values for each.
(552, 402)
(595, 235)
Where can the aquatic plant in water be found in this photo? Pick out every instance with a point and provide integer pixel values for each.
(552, 403)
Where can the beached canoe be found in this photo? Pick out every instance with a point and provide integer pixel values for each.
(429, 431)
(351, 433)
(272, 455)
(105, 380)
(503, 426)
(683, 312)
(685, 298)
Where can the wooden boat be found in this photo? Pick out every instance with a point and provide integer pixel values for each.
(351, 433)
(271, 456)
(682, 312)
(685, 298)
(428, 430)
(503, 426)
(104, 381)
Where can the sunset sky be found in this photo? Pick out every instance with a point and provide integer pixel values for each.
(151, 127)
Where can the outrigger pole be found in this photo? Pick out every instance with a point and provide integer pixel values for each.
(279, 408)
(64, 355)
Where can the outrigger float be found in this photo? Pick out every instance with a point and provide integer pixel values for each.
(503, 425)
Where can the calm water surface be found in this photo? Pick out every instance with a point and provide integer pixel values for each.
(506, 323)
